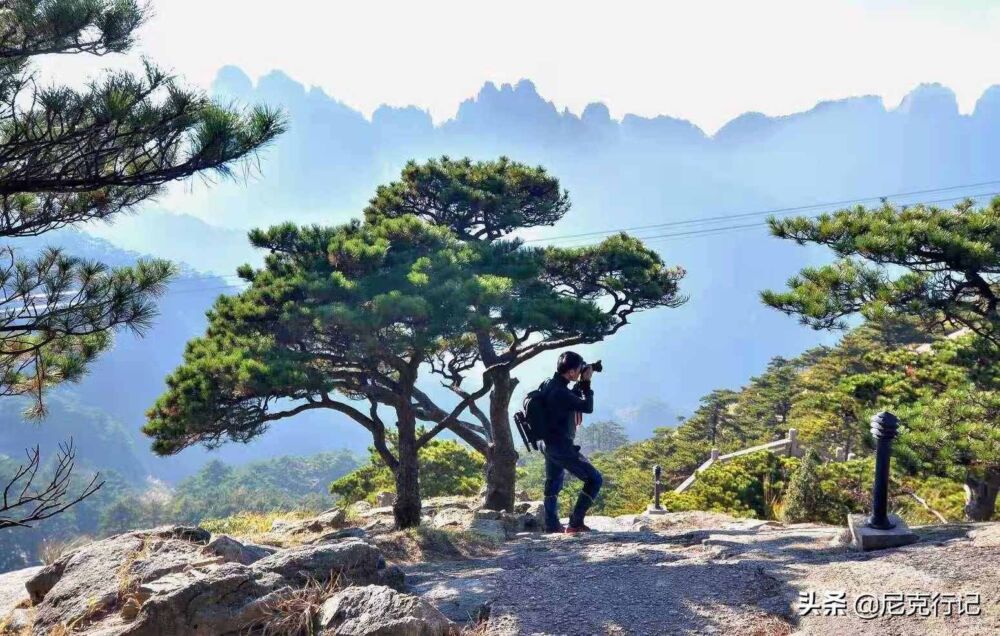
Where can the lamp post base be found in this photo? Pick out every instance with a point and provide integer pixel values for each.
(864, 537)
(887, 524)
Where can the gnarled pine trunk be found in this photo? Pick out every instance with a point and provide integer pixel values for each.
(981, 495)
(501, 458)
(406, 510)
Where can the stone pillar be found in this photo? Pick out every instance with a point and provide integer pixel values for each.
(793, 442)
(715, 454)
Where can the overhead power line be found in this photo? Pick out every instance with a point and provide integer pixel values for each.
(584, 237)
(762, 224)
(771, 211)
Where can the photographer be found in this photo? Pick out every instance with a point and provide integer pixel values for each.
(564, 408)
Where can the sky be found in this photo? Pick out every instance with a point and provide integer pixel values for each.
(706, 61)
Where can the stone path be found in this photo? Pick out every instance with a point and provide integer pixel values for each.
(742, 578)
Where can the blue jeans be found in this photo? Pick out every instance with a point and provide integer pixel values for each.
(558, 460)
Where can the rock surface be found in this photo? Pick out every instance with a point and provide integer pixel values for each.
(375, 610)
(684, 573)
(229, 549)
(708, 573)
(329, 520)
(14, 597)
(174, 580)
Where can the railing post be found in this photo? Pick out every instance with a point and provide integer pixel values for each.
(657, 484)
(715, 454)
(793, 442)
(884, 428)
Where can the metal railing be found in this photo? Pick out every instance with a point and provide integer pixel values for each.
(789, 444)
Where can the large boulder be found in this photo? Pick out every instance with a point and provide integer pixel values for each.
(14, 597)
(330, 520)
(99, 577)
(454, 518)
(355, 561)
(233, 551)
(375, 610)
(338, 535)
(12, 590)
(221, 601)
(499, 524)
(174, 581)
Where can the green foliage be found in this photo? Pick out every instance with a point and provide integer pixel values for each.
(601, 437)
(429, 277)
(249, 525)
(284, 483)
(482, 200)
(525, 300)
(265, 488)
(714, 424)
(349, 309)
(828, 394)
(748, 486)
(446, 468)
(804, 496)
(923, 261)
(78, 155)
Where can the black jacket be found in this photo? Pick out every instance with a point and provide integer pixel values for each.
(561, 406)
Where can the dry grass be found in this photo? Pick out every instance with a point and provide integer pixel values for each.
(130, 599)
(294, 613)
(430, 544)
(52, 550)
(251, 526)
(7, 629)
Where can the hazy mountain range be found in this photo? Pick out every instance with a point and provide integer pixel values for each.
(626, 173)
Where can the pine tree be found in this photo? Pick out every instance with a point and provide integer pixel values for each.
(803, 495)
(529, 300)
(921, 264)
(68, 156)
(336, 316)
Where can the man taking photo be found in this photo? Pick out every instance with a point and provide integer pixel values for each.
(564, 407)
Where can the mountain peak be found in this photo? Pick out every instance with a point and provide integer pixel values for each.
(231, 80)
(596, 113)
(929, 100)
(988, 104)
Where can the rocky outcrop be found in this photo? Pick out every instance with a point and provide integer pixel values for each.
(14, 599)
(464, 513)
(231, 550)
(176, 580)
(329, 520)
(376, 610)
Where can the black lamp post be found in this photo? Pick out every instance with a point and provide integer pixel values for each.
(657, 484)
(884, 428)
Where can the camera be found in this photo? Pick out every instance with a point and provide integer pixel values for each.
(598, 366)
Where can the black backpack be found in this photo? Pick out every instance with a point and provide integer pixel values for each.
(532, 420)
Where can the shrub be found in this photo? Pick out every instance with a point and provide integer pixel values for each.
(446, 468)
(804, 496)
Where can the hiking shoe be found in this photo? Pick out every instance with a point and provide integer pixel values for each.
(556, 530)
(577, 529)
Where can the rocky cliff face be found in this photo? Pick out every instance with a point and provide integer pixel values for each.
(690, 573)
